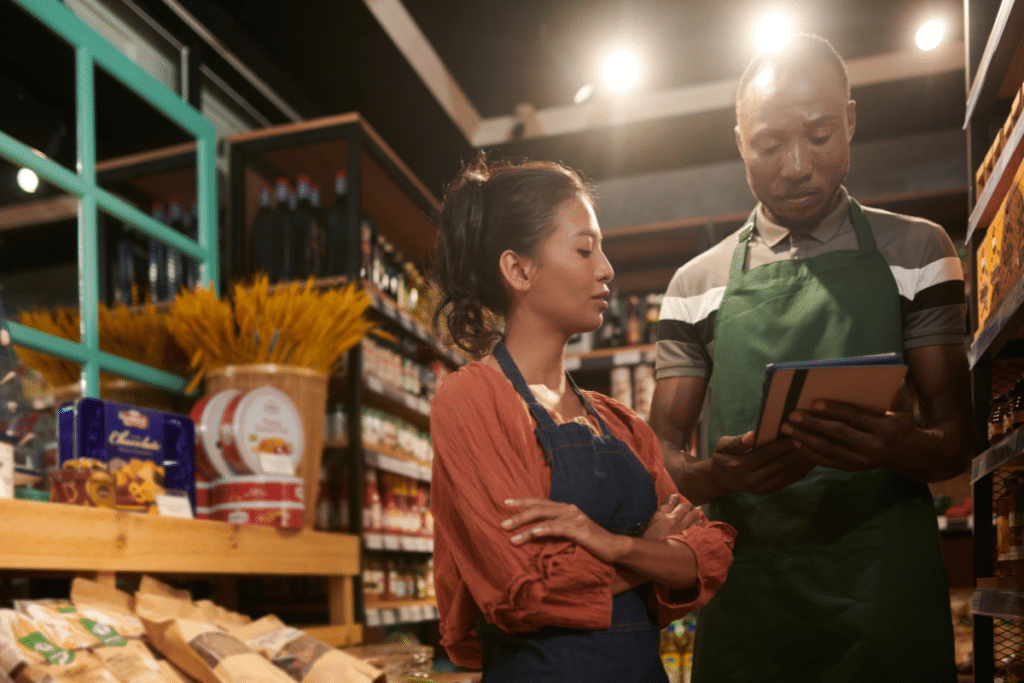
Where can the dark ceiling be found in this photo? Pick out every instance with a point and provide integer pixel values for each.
(334, 56)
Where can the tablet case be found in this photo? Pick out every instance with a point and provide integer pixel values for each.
(870, 382)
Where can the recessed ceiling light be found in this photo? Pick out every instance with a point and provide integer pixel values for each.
(621, 70)
(773, 32)
(28, 180)
(930, 35)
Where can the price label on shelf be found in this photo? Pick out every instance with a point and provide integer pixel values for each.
(273, 463)
(374, 541)
(374, 384)
(373, 617)
(392, 542)
(388, 617)
(405, 614)
(174, 506)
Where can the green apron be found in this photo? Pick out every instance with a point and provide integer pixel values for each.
(840, 576)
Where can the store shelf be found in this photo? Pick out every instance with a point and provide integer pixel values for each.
(1003, 604)
(1003, 42)
(1003, 325)
(389, 613)
(991, 198)
(387, 307)
(397, 542)
(396, 463)
(1005, 453)
(376, 385)
(604, 359)
(52, 536)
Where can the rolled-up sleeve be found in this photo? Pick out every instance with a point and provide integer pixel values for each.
(711, 542)
(485, 453)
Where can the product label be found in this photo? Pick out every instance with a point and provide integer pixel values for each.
(54, 655)
(276, 464)
(107, 635)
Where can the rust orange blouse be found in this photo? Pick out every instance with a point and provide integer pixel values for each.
(485, 452)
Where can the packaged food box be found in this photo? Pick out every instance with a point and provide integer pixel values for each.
(121, 456)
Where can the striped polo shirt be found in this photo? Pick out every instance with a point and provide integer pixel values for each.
(920, 255)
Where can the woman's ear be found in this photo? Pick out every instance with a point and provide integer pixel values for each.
(517, 270)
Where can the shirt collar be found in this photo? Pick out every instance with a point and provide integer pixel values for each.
(772, 233)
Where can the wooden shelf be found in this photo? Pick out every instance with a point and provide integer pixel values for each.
(389, 612)
(1001, 603)
(601, 359)
(991, 198)
(396, 463)
(53, 536)
(1004, 324)
(387, 307)
(1003, 43)
(402, 404)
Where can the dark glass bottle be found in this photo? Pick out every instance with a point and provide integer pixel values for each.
(175, 262)
(261, 243)
(157, 266)
(339, 236)
(281, 233)
(318, 234)
(302, 229)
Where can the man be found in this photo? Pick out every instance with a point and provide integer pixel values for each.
(838, 571)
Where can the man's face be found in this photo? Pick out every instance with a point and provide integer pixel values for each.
(793, 132)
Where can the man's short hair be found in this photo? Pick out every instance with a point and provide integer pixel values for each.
(802, 49)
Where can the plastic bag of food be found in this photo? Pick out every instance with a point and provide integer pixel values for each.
(302, 656)
(28, 655)
(106, 604)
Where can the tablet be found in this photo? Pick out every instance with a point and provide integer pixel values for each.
(869, 382)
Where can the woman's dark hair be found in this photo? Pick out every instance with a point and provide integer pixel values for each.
(488, 209)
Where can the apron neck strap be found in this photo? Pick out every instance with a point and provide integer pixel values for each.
(865, 238)
(539, 412)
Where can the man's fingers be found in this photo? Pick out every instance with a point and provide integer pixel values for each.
(736, 444)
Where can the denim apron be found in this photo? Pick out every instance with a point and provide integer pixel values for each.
(839, 577)
(603, 478)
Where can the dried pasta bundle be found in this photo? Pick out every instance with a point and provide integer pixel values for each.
(295, 324)
(139, 334)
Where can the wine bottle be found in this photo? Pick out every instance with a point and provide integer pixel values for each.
(339, 237)
(157, 266)
(280, 231)
(261, 251)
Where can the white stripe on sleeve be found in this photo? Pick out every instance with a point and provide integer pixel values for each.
(692, 309)
(913, 280)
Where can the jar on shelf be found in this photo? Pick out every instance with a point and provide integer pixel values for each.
(1004, 564)
(996, 426)
(1015, 491)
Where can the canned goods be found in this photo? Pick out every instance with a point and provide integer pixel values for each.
(207, 415)
(261, 433)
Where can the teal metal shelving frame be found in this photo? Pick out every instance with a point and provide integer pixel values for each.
(92, 51)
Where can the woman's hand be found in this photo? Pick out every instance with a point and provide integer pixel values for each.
(672, 517)
(548, 519)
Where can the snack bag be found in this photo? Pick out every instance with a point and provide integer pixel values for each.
(202, 651)
(69, 628)
(27, 655)
(302, 656)
(133, 663)
(107, 605)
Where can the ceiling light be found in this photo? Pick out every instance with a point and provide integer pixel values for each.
(773, 32)
(583, 94)
(28, 180)
(621, 70)
(930, 35)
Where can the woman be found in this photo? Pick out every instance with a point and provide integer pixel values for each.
(553, 559)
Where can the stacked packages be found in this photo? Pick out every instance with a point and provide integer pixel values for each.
(160, 636)
(248, 449)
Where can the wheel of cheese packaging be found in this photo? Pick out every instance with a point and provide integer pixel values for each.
(257, 488)
(207, 415)
(269, 513)
(262, 433)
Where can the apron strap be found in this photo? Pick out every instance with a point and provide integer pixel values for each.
(504, 358)
(739, 254)
(865, 238)
(539, 412)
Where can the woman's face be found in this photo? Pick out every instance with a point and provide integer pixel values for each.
(571, 272)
